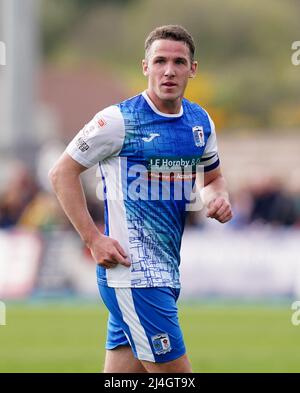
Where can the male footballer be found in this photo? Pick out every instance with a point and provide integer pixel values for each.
(137, 144)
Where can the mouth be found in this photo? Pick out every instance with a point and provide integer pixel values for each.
(169, 84)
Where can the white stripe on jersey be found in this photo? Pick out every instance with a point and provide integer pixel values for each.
(120, 275)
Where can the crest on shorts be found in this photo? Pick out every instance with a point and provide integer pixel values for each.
(161, 343)
(198, 136)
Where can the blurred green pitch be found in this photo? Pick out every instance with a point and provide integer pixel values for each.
(219, 338)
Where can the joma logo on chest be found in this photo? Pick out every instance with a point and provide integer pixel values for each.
(151, 137)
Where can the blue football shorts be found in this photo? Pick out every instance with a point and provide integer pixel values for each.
(146, 319)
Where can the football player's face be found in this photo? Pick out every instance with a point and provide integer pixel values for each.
(168, 66)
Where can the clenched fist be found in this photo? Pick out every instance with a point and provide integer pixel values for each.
(220, 209)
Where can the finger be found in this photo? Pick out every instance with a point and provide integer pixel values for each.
(213, 207)
(103, 262)
(107, 264)
(120, 250)
(225, 217)
(211, 213)
(120, 259)
(223, 210)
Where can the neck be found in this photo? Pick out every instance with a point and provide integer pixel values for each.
(165, 106)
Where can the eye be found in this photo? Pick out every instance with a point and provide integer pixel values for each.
(180, 61)
(160, 61)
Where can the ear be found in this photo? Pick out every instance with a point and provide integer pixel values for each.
(145, 67)
(193, 69)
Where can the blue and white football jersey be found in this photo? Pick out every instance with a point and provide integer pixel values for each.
(147, 160)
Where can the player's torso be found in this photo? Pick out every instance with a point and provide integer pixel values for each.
(155, 140)
(156, 150)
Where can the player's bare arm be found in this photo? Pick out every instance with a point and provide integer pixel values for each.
(215, 196)
(66, 183)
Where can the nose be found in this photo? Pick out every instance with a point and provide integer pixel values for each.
(169, 70)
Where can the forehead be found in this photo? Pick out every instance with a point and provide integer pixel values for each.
(169, 48)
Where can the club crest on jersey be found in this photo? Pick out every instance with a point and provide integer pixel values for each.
(198, 136)
(161, 343)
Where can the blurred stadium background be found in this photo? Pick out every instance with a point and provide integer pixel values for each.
(67, 59)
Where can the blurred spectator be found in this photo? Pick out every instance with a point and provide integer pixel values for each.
(272, 205)
(43, 213)
(20, 190)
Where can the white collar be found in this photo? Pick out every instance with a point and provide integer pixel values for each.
(153, 107)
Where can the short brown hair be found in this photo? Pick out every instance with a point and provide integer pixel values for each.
(171, 32)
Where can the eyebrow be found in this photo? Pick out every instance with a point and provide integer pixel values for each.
(164, 57)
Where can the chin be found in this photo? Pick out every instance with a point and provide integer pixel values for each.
(168, 96)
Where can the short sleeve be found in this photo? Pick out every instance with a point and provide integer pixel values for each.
(210, 158)
(99, 139)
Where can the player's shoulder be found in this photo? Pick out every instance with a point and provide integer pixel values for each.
(194, 107)
(132, 103)
(107, 118)
(116, 111)
(111, 110)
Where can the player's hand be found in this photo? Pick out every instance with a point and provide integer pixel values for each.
(219, 209)
(108, 253)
